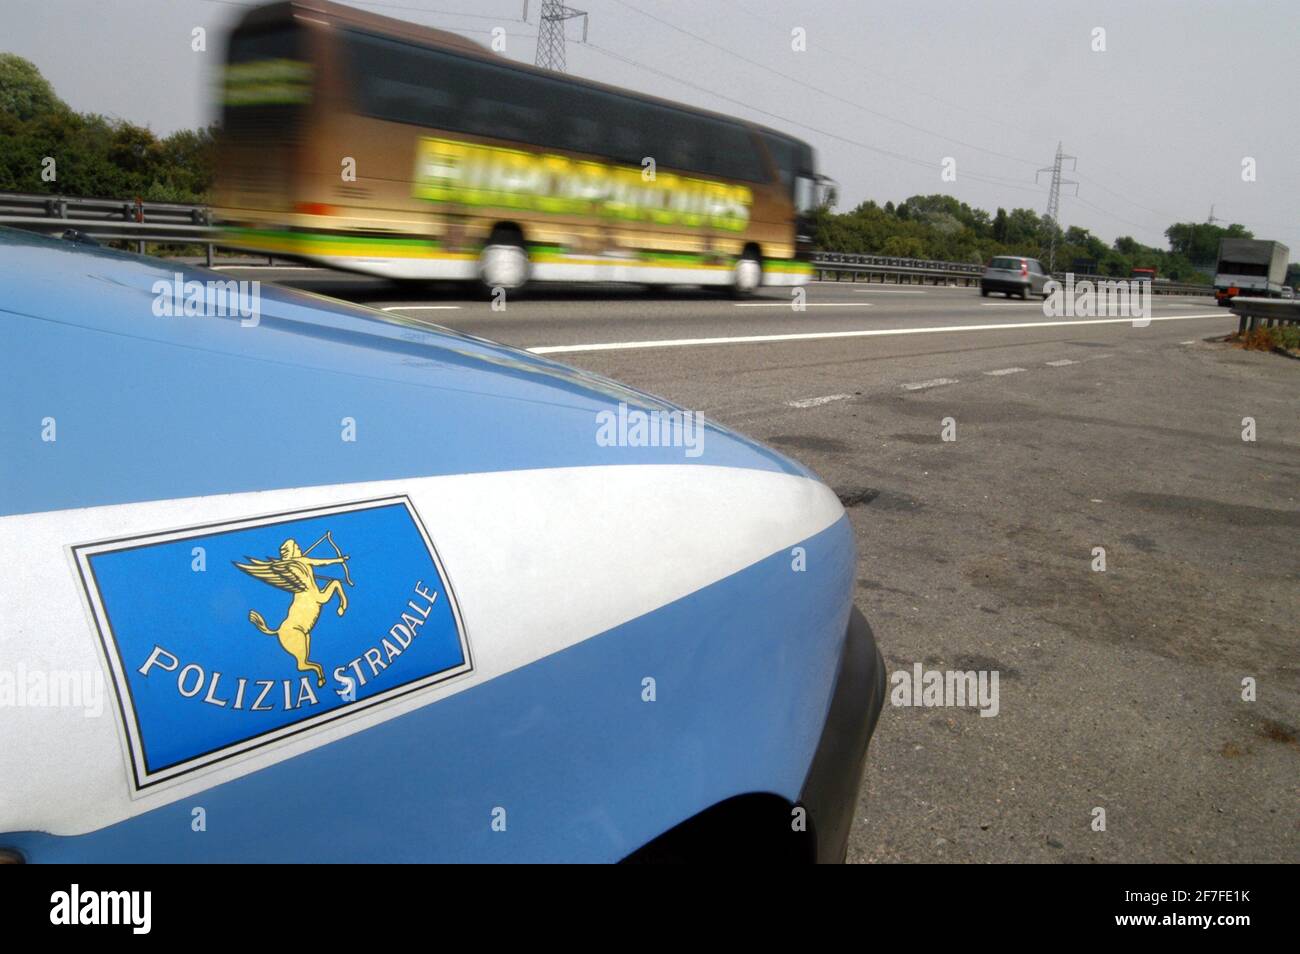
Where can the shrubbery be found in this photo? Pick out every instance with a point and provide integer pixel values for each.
(1286, 337)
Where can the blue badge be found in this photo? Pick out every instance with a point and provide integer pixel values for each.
(229, 637)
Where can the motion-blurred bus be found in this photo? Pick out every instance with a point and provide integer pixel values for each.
(366, 143)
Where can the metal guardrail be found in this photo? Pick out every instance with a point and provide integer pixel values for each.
(912, 271)
(111, 219)
(27, 207)
(1264, 312)
(1157, 288)
(925, 271)
(163, 222)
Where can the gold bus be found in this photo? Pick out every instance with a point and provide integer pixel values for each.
(365, 143)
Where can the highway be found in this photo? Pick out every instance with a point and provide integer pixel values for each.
(1120, 689)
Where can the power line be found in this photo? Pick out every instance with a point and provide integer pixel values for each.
(446, 13)
(920, 92)
(995, 180)
(912, 160)
(383, 4)
(817, 89)
(1110, 214)
(856, 61)
(1171, 217)
(460, 30)
(888, 153)
(1054, 197)
(1132, 202)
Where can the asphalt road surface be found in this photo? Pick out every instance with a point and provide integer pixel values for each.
(1119, 690)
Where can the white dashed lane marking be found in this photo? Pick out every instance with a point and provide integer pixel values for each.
(807, 304)
(933, 383)
(1060, 364)
(1001, 371)
(818, 401)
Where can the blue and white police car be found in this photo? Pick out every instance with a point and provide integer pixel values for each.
(296, 581)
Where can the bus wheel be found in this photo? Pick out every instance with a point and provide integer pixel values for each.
(503, 263)
(747, 275)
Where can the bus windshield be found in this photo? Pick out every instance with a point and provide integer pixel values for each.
(266, 68)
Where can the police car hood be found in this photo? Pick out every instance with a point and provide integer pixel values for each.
(163, 406)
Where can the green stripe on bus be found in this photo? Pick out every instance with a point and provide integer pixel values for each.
(284, 235)
(290, 237)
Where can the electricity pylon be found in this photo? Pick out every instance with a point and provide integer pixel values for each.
(1054, 200)
(550, 34)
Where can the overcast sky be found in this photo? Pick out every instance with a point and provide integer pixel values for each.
(1160, 121)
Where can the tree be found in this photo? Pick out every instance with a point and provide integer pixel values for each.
(1024, 229)
(24, 92)
(94, 156)
(904, 247)
(1000, 225)
(1198, 242)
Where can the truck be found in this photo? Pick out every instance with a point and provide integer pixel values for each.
(1250, 267)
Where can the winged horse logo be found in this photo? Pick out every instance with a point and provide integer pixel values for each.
(294, 572)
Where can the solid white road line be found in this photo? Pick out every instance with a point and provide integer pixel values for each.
(932, 383)
(808, 304)
(818, 401)
(422, 308)
(1060, 364)
(1040, 302)
(865, 333)
(887, 291)
(827, 281)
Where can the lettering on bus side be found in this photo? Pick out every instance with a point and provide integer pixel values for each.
(448, 170)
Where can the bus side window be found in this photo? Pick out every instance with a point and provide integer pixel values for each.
(504, 104)
(591, 120)
(782, 159)
(389, 79)
(733, 153)
(672, 141)
(583, 134)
